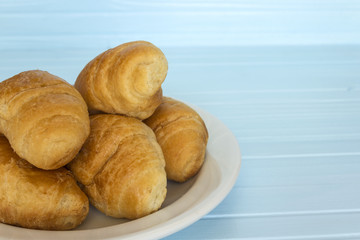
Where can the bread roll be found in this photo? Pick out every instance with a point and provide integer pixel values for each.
(44, 118)
(36, 198)
(182, 135)
(124, 80)
(121, 167)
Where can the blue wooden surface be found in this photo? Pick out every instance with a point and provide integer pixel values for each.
(284, 76)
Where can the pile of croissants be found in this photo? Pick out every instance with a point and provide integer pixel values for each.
(112, 140)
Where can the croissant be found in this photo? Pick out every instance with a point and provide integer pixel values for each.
(34, 198)
(182, 135)
(44, 118)
(124, 80)
(121, 167)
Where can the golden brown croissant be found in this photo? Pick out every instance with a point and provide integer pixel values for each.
(44, 118)
(121, 167)
(124, 80)
(182, 135)
(36, 198)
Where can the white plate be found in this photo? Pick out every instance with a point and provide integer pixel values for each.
(185, 203)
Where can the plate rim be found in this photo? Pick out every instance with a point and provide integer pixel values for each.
(177, 222)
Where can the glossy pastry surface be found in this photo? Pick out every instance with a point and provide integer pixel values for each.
(121, 167)
(36, 198)
(124, 80)
(44, 118)
(182, 135)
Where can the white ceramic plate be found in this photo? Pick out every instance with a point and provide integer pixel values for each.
(185, 203)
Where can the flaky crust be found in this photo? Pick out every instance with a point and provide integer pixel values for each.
(36, 198)
(121, 167)
(182, 135)
(124, 80)
(44, 118)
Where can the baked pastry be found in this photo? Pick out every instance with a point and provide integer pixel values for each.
(182, 135)
(34, 198)
(124, 80)
(44, 118)
(121, 167)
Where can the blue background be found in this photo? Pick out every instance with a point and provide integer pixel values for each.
(284, 76)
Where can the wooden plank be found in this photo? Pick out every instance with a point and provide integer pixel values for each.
(326, 225)
(49, 24)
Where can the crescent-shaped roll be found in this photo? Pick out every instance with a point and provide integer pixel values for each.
(182, 135)
(121, 167)
(44, 118)
(34, 198)
(124, 80)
